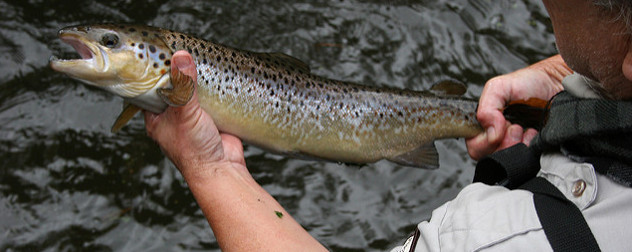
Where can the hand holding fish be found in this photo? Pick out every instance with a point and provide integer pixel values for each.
(188, 135)
(541, 80)
(213, 165)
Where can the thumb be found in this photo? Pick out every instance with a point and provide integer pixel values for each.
(183, 62)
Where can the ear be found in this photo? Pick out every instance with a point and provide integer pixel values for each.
(627, 64)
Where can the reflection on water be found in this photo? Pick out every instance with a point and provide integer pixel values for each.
(66, 183)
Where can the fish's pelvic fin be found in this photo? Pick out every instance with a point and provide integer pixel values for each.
(448, 88)
(424, 156)
(129, 111)
(180, 93)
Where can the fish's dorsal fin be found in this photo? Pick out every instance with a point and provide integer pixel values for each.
(287, 60)
(449, 88)
(424, 156)
(129, 111)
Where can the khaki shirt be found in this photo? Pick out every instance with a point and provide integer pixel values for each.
(493, 218)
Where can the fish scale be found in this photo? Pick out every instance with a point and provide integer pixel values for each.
(271, 100)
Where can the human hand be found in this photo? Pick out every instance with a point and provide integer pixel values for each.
(188, 135)
(541, 80)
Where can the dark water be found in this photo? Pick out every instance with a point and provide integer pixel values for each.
(67, 184)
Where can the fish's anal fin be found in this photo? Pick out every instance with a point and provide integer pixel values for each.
(129, 111)
(181, 91)
(424, 156)
(449, 88)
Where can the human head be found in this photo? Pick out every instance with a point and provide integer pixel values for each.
(595, 39)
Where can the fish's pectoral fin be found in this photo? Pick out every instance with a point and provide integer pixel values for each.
(129, 111)
(424, 156)
(449, 88)
(181, 91)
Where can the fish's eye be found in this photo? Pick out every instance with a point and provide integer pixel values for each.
(110, 40)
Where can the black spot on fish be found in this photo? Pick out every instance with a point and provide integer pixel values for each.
(181, 36)
(252, 70)
(132, 30)
(190, 51)
(197, 53)
(204, 61)
(234, 55)
(161, 56)
(320, 85)
(219, 59)
(173, 45)
(133, 44)
(202, 46)
(155, 65)
(141, 46)
(167, 62)
(140, 55)
(399, 113)
(227, 78)
(152, 48)
(145, 33)
(467, 118)
(271, 92)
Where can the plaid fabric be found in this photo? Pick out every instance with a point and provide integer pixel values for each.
(597, 131)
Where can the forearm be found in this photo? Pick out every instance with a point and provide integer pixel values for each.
(243, 216)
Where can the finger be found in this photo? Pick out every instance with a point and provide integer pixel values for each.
(493, 101)
(478, 146)
(529, 134)
(151, 120)
(183, 62)
(513, 136)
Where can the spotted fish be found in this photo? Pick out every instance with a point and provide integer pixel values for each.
(270, 100)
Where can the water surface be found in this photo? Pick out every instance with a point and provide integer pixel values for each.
(68, 184)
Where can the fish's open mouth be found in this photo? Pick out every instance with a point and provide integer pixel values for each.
(84, 51)
(79, 46)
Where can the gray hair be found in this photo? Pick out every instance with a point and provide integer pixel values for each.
(623, 7)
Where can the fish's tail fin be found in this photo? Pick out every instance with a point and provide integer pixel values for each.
(531, 113)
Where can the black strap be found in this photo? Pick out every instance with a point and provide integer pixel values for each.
(563, 223)
(510, 167)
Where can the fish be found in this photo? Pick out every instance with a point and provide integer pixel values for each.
(269, 100)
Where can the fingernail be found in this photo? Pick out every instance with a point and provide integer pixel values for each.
(515, 134)
(181, 62)
(491, 134)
